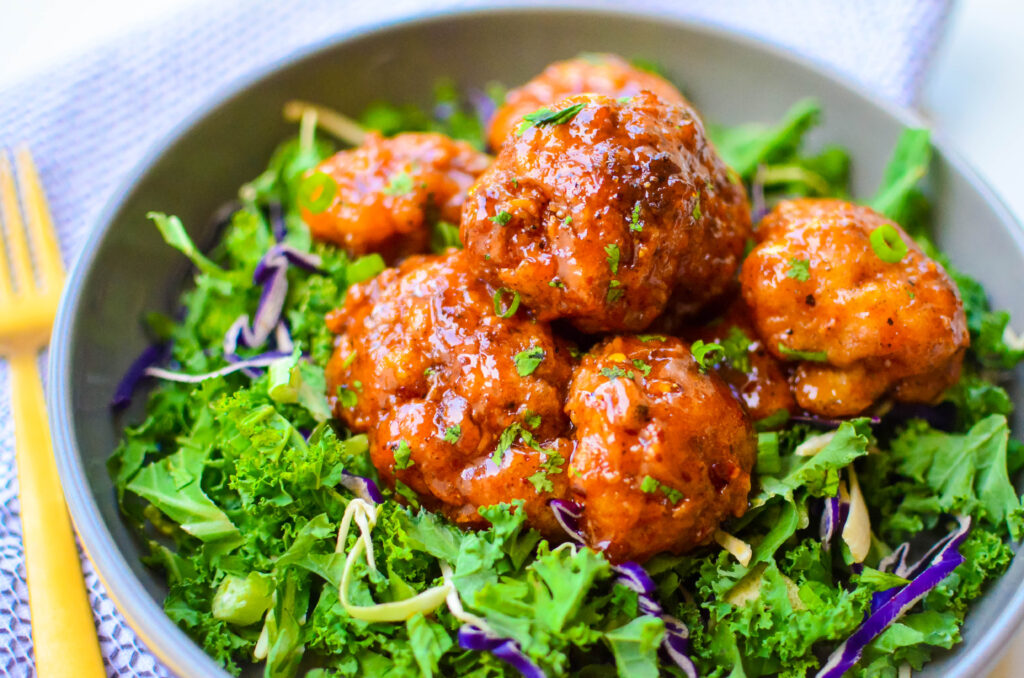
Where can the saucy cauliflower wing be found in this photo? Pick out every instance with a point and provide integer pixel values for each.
(594, 73)
(390, 190)
(663, 450)
(461, 405)
(857, 325)
(603, 213)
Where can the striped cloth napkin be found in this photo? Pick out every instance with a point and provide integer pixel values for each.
(90, 121)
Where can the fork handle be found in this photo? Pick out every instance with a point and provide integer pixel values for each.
(63, 630)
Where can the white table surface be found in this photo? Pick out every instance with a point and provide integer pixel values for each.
(974, 97)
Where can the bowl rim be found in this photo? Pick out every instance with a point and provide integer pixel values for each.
(145, 616)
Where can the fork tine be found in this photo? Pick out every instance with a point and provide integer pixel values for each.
(17, 246)
(40, 223)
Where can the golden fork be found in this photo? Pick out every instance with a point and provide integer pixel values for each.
(63, 631)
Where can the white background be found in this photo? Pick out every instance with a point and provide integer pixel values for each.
(974, 96)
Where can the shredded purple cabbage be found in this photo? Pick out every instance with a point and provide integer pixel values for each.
(153, 355)
(898, 555)
(635, 577)
(901, 568)
(364, 488)
(675, 645)
(568, 515)
(505, 649)
(483, 105)
(833, 519)
(444, 110)
(259, 357)
(272, 273)
(898, 604)
(275, 215)
(268, 312)
(829, 521)
(279, 257)
(262, 360)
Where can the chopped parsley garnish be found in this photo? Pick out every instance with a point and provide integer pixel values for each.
(616, 373)
(696, 208)
(527, 361)
(615, 292)
(509, 436)
(403, 456)
(567, 221)
(634, 219)
(347, 396)
(793, 354)
(500, 309)
(349, 359)
(399, 184)
(546, 116)
(646, 338)
(799, 269)
(501, 218)
(644, 368)
(707, 355)
(613, 258)
(552, 464)
(737, 349)
(887, 244)
(532, 419)
(453, 434)
(430, 371)
(557, 283)
(651, 485)
(316, 192)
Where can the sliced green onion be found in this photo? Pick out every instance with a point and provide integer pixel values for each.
(509, 310)
(888, 244)
(811, 356)
(365, 267)
(316, 192)
(707, 354)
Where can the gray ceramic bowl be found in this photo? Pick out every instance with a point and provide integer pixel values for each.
(126, 270)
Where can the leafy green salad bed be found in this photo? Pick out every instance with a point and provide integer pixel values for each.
(241, 481)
